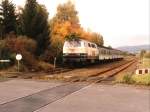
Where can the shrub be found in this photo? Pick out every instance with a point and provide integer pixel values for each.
(125, 78)
(147, 55)
(5, 54)
(20, 44)
(24, 46)
(44, 66)
(48, 56)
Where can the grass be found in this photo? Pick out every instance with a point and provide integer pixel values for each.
(125, 78)
(145, 62)
(134, 79)
(141, 79)
(3, 79)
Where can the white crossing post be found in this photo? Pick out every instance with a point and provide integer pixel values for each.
(18, 58)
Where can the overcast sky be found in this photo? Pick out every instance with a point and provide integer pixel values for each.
(121, 22)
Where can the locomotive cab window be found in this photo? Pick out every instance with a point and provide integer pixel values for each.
(93, 45)
(73, 44)
(85, 44)
(89, 45)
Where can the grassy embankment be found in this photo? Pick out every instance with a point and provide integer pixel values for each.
(132, 78)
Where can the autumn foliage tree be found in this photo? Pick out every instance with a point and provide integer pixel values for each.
(94, 37)
(66, 24)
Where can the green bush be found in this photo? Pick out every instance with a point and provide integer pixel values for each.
(5, 54)
(72, 37)
(44, 66)
(127, 78)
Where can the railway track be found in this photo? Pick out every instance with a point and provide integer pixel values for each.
(29, 75)
(53, 71)
(93, 76)
(106, 74)
(112, 73)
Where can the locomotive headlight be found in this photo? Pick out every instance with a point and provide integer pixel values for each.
(83, 54)
(65, 54)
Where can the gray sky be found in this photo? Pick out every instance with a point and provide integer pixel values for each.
(121, 22)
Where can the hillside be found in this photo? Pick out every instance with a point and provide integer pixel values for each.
(134, 49)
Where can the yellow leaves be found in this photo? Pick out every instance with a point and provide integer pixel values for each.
(65, 28)
(92, 37)
(67, 12)
(61, 29)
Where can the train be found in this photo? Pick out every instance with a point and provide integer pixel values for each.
(84, 51)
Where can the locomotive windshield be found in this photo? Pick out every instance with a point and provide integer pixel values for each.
(72, 44)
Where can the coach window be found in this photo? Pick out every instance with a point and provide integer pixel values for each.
(104, 52)
(94, 46)
(146, 71)
(108, 52)
(140, 71)
(101, 51)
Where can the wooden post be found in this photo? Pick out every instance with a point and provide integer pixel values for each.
(55, 62)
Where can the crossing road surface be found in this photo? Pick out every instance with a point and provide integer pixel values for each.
(37, 96)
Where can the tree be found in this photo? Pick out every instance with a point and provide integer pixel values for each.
(1, 21)
(28, 14)
(64, 23)
(142, 52)
(97, 39)
(72, 37)
(19, 10)
(7, 18)
(147, 54)
(35, 24)
(67, 12)
(42, 28)
(110, 47)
